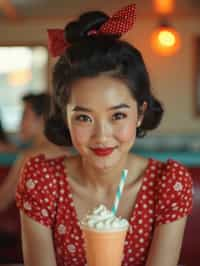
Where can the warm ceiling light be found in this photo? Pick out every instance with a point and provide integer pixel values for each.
(166, 38)
(163, 7)
(165, 41)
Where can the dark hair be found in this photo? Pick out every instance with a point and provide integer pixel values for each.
(40, 103)
(90, 56)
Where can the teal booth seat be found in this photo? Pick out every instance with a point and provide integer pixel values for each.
(188, 158)
(182, 148)
(7, 159)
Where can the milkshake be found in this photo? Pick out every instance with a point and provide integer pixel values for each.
(104, 235)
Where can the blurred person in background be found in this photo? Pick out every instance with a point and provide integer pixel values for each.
(5, 144)
(31, 131)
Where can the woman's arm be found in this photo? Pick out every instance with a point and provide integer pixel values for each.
(37, 243)
(166, 244)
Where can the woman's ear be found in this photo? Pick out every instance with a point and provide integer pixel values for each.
(141, 112)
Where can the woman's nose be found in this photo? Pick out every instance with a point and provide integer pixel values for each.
(102, 130)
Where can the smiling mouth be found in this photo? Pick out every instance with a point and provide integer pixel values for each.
(102, 151)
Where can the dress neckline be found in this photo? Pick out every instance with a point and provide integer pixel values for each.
(138, 196)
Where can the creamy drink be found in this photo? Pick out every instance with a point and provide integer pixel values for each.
(104, 236)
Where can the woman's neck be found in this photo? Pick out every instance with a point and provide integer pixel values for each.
(40, 140)
(107, 178)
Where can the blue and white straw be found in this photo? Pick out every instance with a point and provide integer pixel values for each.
(119, 191)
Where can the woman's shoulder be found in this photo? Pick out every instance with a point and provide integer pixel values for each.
(40, 165)
(37, 189)
(171, 167)
(173, 190)
(170, 175)
(36, 159)
(170, 171)
(39, 173)
(41, 169)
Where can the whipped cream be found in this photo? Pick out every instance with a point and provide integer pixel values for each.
(103, 219)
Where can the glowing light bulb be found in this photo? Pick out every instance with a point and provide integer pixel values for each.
(167, 38)
(165, 41)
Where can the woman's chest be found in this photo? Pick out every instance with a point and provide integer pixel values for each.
(85, 200)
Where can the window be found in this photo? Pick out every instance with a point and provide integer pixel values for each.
(22, 70)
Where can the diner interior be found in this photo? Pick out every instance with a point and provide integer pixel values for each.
(167, 33)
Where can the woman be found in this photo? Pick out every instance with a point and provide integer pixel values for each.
(36, 107)
(102, 100)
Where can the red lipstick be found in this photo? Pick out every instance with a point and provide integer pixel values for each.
(103, 151)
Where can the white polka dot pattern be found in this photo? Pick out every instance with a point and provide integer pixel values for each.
(121, 22)
(45, 195)
(174, 197)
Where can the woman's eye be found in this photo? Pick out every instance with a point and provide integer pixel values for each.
(83, 118)
(119, 116)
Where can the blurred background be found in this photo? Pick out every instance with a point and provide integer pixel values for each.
(166, 31)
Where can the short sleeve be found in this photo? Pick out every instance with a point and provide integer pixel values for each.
(173, 193)
(36, 191)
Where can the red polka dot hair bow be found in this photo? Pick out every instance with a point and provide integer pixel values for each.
(119, 23)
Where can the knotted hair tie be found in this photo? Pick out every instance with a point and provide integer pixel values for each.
(118, 24)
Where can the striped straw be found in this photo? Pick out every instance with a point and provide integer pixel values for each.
(119, 191)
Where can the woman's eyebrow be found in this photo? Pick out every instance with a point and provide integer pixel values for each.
(122, 105)
(81, 109)
(85, 109)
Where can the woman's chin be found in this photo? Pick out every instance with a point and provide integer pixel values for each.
(103, 164)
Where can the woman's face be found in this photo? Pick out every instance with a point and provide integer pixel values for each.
(102, 117)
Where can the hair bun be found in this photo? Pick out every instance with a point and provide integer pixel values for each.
(92, 20)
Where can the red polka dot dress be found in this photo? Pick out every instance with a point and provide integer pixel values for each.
(44, 195)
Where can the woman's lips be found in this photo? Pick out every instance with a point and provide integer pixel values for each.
(102, 151)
